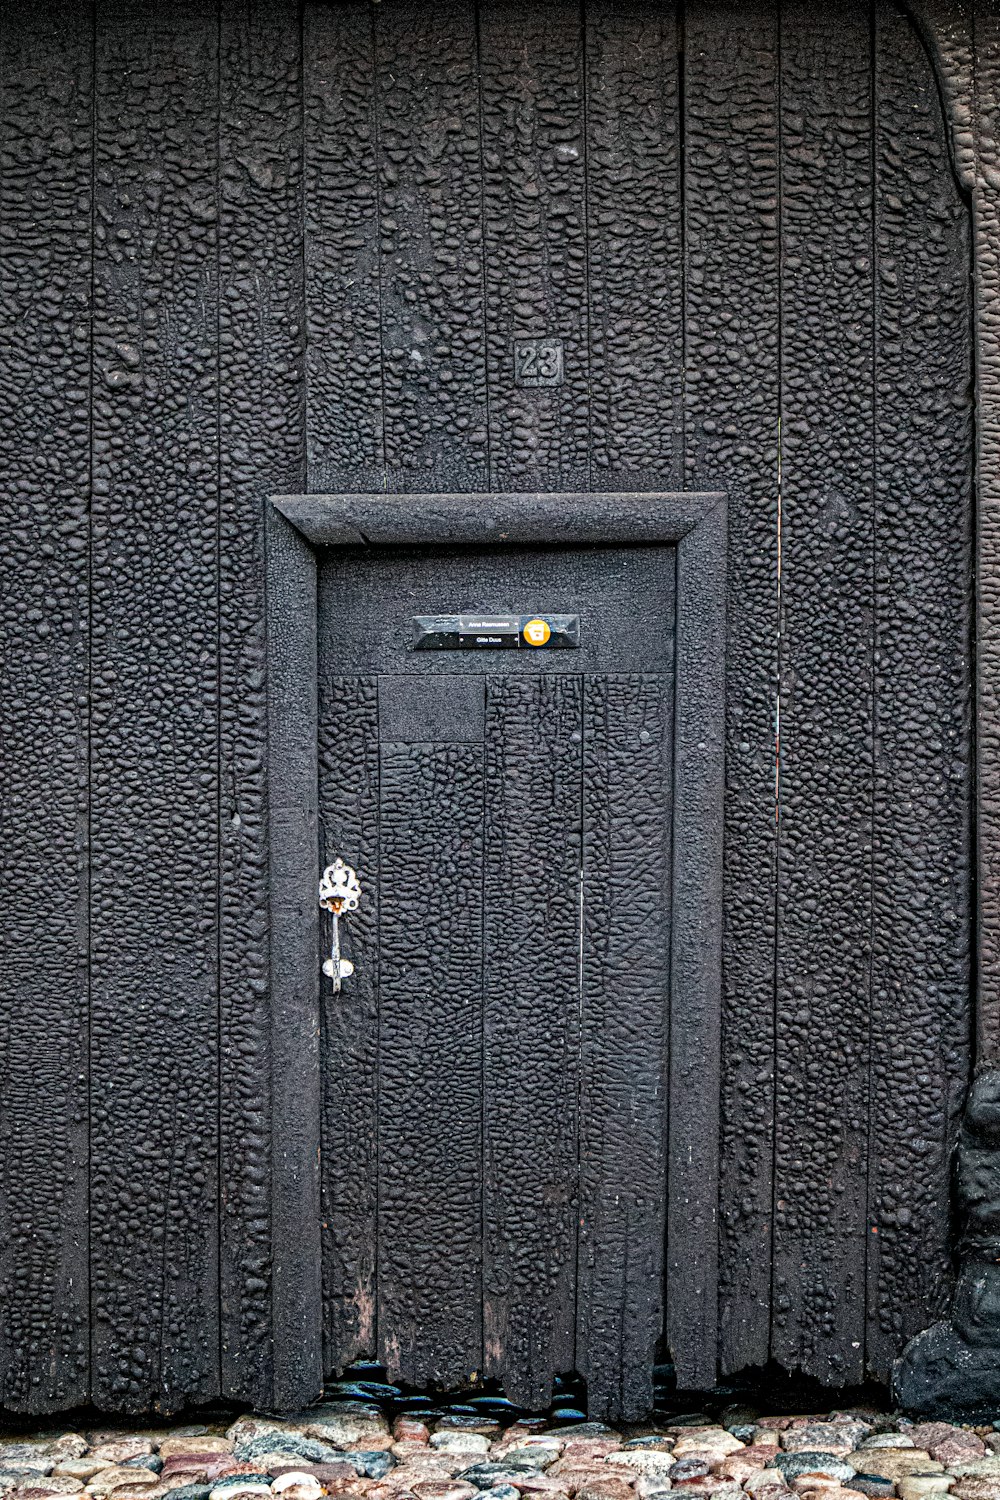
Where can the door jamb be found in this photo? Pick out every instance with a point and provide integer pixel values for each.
(296, 526)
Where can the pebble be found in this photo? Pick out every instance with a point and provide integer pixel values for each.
(443, 1489)
(196, 1443)
(916, 1486)
(348, 1424)
(80, 1468)
(243, 1488)
(648, 1486)
(607, 1488)
(122, 1449)
(873, 1485)
(813, 1462)
(819, 1437)
(976, 1489)
(644, 1460)
(410, 1430)
(886, 1440)
(460, 1442)
(371, 1463)
(296, 1484)
(487, 1427)
(268, 1443)
(894, 1463)
(487, 1474)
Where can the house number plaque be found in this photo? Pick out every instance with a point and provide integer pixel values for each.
(538, 362)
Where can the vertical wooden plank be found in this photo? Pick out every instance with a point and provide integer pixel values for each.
(343, 315)
(921, 886)
(293, 844)
(430, 229)
(623, 1104)
(349, 827)
(534, 227)
(154, 766)
(731, 420)
(260, 394)
(825, 794)
(531, 1011)
(46, 79)
(986, 272)
(430, 1063)
(692, 1322)
(634, 245)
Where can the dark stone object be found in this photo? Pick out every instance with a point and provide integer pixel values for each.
(874, 1486)
(809, 1462)
(145, 1461)
(953, 1368)
(488, 1475)
(370, 1463)
(191, 1492)
(285, 1442)
(688, 1468)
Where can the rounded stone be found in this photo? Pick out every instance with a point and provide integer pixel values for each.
(873, 1485)
(812, 1462)
(644, 1460)
(122, 1450)
(452, 1441)
(916, 1486)
(199, 1443)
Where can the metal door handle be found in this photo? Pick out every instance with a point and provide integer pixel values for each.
(339, 893)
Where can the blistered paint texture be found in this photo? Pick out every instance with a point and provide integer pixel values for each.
(261, 448)
(154, 705)
(731, 416)
(238, 240)
(531, 1036)
(45, 221)
(923, 642)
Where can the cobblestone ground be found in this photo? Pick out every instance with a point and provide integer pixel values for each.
(372, 1443)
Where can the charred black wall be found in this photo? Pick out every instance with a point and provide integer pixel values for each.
(244, 252)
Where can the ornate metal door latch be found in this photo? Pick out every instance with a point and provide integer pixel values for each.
(339, 893)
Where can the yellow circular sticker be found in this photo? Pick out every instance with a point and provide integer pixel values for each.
(537, 632)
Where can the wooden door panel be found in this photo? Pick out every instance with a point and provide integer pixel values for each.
(625, 1013)
(349, 827)
(531, 1028)
(429, 1312)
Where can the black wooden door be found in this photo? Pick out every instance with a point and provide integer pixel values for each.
(494, 1130)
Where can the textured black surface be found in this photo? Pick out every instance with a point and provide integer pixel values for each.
(293, 980)
(920, 956)
(45, 208)
(260, 337)
(472, 175)
(624, 1025)
(531, 1029)
(634, 256)
(825, 809)
(431, 242)
(154, 710)
(731, 430)
(535, 237)
(430, 1061)
(626, 597)
(349, 718)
